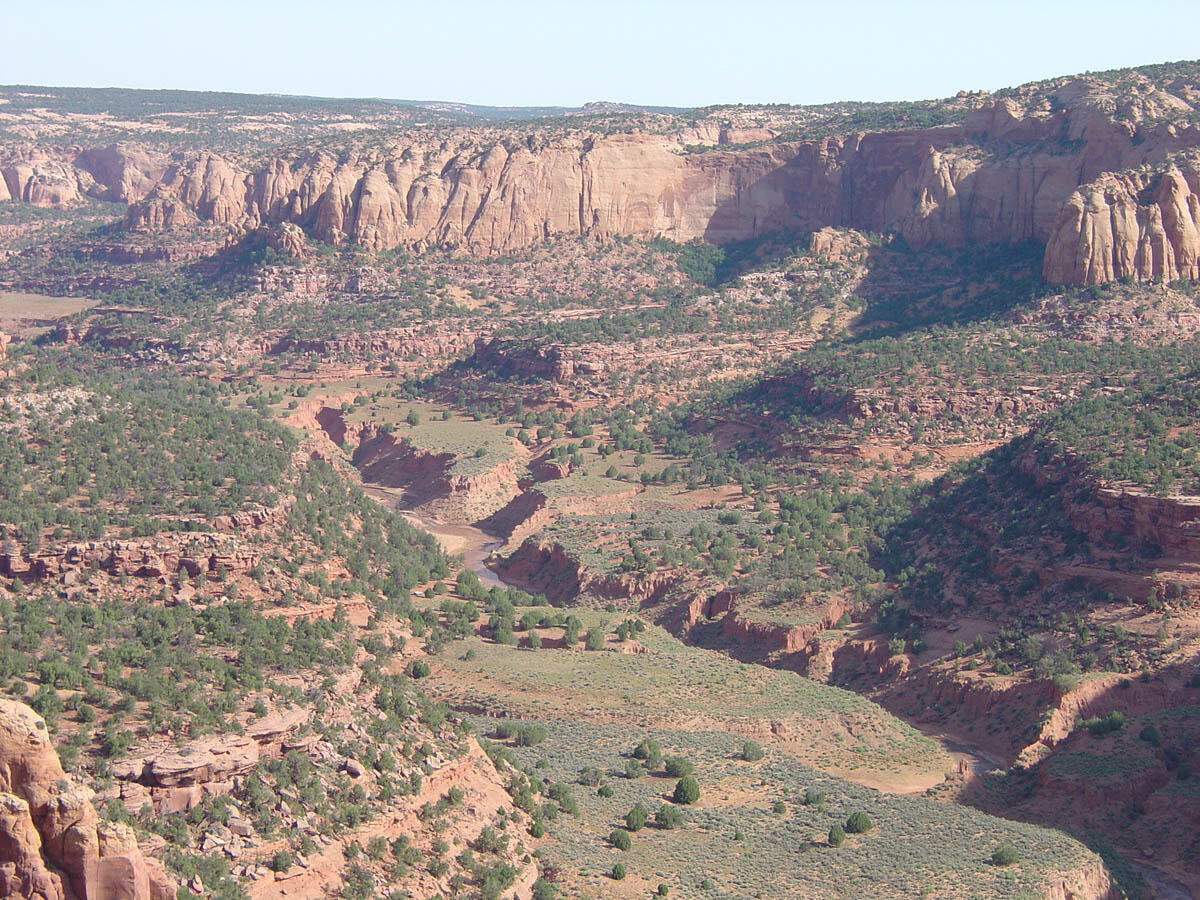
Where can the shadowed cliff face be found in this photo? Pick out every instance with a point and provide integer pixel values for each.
(1007, 174)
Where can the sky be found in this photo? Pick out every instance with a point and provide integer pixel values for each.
(542, 53)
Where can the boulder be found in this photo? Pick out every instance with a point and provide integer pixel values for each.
(287, 238)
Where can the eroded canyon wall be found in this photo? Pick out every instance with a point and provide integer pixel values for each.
(1107, 199)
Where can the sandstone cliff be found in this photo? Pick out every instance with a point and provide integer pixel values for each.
(1004, 175)
(1053, 168)
(53, 846)
(1128, 225)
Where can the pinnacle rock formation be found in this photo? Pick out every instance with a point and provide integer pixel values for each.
(1128, 226)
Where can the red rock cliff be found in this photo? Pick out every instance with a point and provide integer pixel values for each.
(53, 846)
(1007, 173)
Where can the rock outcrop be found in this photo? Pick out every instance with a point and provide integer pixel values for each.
(165, 555)
(52, 844)
(287, 239)
(1091, 883)
(1126, 225)
(422, 341)
(1170, 524)
(1167, 528)
(529, 359)
(40, 180)
(23, 871)
(433, 482)
(805, 388)
(547, 568)
(767, 637)
(177, 780)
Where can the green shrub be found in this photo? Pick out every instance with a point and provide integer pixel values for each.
(619, 838)
(678, 766)
(490, 841)
(752, 751)
(529, 735)
(687, 790)
(636, 817)
(649, 752)
(418, 668)
(544, 890)
(858, 823)
(1099, 726)
(618, 872)
(377, 847)
(1005, 855)
(564, 797)
(668, 816)
(836, 835)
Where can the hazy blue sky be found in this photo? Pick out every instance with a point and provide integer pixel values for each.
(535, 52)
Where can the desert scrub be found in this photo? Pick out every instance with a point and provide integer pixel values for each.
(776, 854)
(133, 456)
(673, 679)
